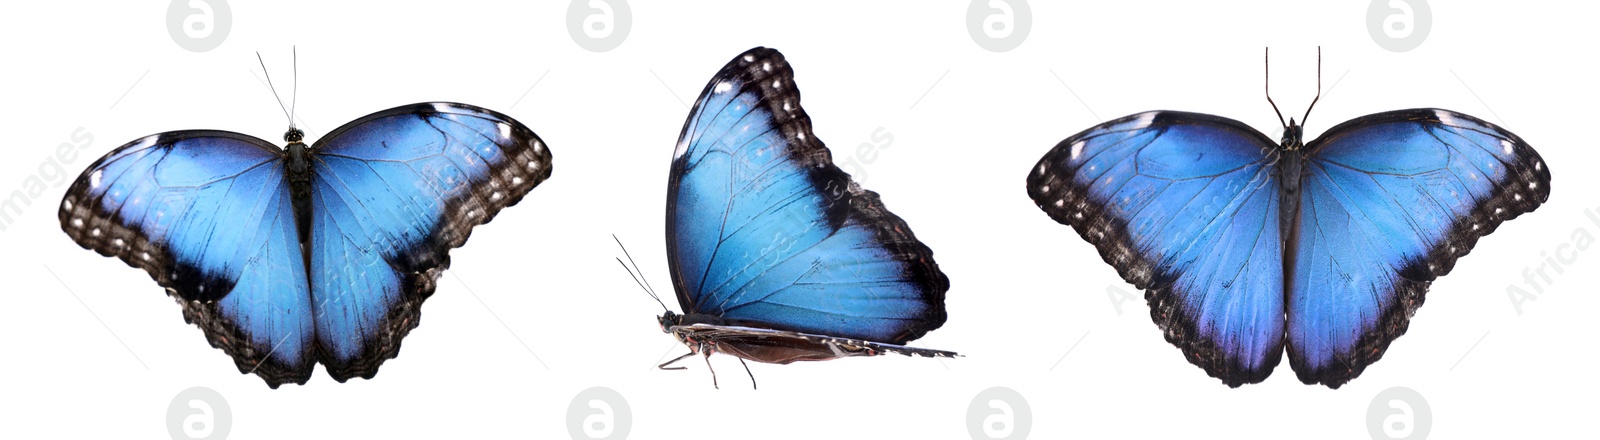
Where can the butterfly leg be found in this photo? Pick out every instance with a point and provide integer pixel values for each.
(664, 365)
(747, 372)
(713, 371)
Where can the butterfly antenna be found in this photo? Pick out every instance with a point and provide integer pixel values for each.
(747, 372)
(639, 278)
(1319, 88)
(274, 89)
(641, 286)
(294, 100)
(1267, 85)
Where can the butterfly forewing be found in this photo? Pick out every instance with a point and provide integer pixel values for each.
(763, 228)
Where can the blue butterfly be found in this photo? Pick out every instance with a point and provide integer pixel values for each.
(776, 255)
(287, 258)
(1244, 245)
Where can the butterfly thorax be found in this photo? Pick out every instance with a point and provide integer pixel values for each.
(1292, 137)
(298, 173)
(681, 328)
(670, 319)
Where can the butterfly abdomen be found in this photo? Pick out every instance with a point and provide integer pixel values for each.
(298, 173)
(1290, 176)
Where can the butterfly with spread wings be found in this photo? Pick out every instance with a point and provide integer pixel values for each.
(1245, 246)
(286, 258)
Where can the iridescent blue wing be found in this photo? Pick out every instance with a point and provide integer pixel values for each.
(391, 194)
(764, 231)
(208, 215)
(1389, 202)
(1186, 207)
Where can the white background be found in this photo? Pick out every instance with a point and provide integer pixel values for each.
(92, 348)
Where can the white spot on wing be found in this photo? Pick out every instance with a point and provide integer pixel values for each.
(146, 142)
(94, 178)
(722, 87)
(1505, 146)
(1444, 117)
(1077, 149)
(1144, 120)
(505, 130)
(683, 147)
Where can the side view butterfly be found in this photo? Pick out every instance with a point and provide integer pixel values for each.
(288, 258)
(1245, 246)
(776, 255)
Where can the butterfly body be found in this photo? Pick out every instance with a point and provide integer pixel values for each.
(290, 257)
(776, 254)
(707, 334)
(297, 171)
(1249, 248)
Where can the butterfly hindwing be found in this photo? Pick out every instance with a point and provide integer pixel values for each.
(392, 193)
(764, 231)
(1186, 207)
(208, 215)
(1389, 202)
